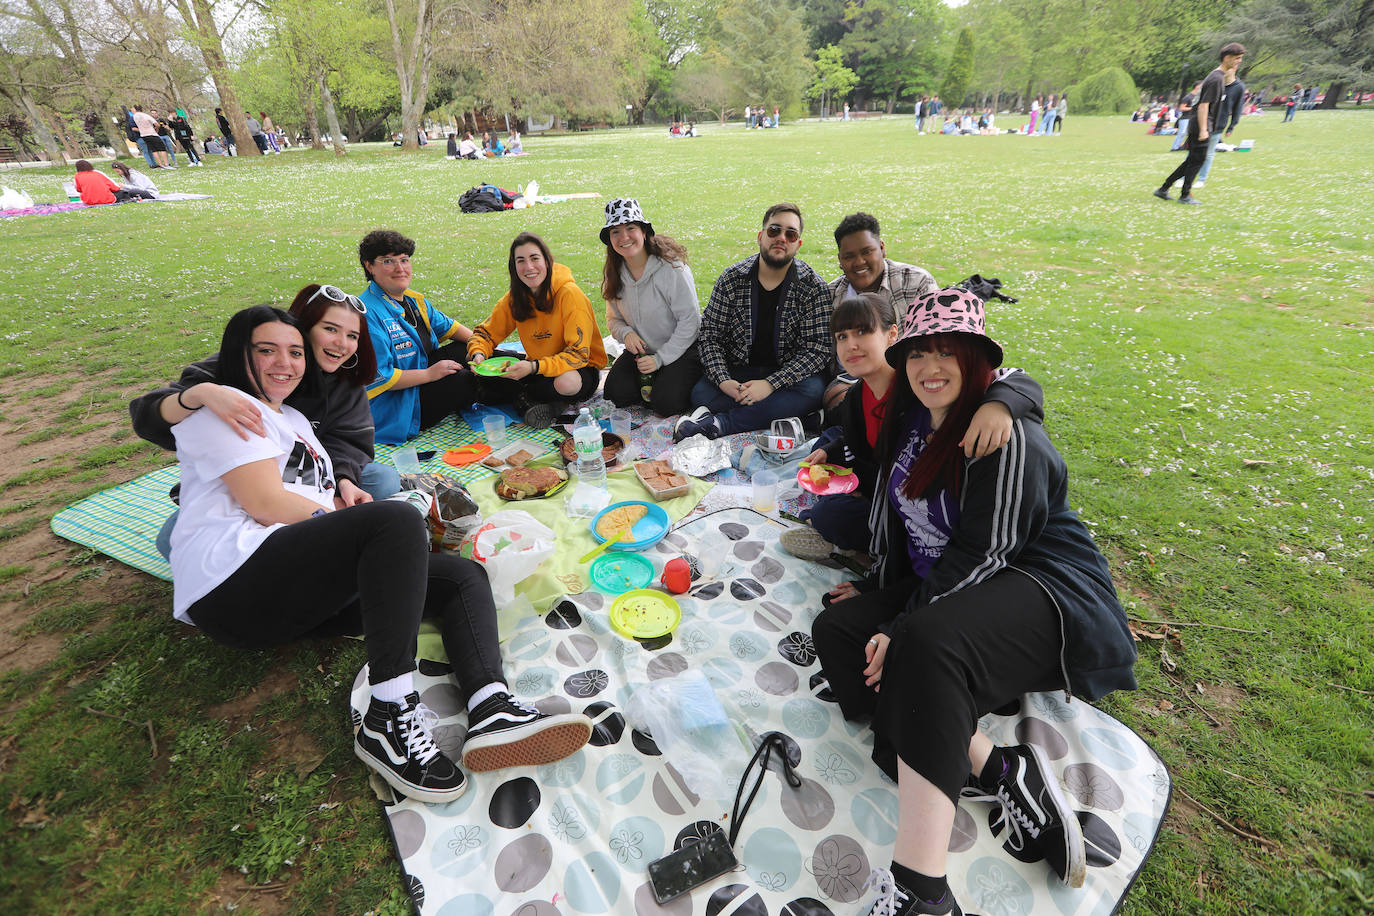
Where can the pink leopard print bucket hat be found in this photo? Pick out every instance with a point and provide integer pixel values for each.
(945, 311)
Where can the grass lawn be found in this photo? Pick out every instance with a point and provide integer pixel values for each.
(1207, 373)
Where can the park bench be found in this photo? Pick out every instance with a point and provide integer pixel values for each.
(8, 155)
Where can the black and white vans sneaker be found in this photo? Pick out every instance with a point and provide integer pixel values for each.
(395, 740)
(687, 424)
(893, 899)
(507, 733)
(1037, 813)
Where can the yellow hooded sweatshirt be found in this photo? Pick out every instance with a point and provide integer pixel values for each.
(559, 340)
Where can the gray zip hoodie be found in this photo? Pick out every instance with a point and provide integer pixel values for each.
(661, 307)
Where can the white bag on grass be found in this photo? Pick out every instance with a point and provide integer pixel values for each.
(511, 544)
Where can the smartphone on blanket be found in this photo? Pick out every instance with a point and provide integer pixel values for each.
(694, 864)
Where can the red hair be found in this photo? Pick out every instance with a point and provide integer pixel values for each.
(308, 313)
(941, 462)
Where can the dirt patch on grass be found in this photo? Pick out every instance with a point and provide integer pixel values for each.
(231, 892)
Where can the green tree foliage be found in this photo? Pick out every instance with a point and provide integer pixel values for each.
(1110, 91)
(833, 79)
(959, 71)
(892, 45)
(1313, 41)
(765, 47)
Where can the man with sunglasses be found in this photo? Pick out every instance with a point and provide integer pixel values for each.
(422, 373)
(764, 338)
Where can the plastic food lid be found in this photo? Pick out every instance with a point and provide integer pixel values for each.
(649, 530)
(466, 454)
(494, 365)
(621, 572)
(645, 614)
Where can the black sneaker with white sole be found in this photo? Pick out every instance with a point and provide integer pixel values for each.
(507, 733)
(395, 740)
(1037, 813)
(893, 899)
(686, 425)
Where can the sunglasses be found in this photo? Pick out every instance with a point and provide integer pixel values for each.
(774, 230)
(334, 294)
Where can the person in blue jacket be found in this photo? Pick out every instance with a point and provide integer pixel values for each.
(422, 373)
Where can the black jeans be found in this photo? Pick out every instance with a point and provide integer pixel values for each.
(535, 388)
(451, 393)
(1188, 168)
(672, 383)
(948, 663)
(365, 570)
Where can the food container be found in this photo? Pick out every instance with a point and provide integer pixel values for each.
(611, 446)
(652, 475)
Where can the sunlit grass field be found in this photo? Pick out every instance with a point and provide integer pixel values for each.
(1207, 375)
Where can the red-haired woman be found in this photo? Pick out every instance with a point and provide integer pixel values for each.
(989, 587)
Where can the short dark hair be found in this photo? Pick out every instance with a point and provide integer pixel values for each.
(235, 357)
(83, 166)
(308, 311)
(863, 312)
(856, 222)
(784, 207)
(381, 242)
(1234, 47)
(523, 300)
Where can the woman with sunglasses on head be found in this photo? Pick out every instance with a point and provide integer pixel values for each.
(651, 308)
(991, 587)
(421, 372)
(564, 354)
(332, 322)
(266, 554)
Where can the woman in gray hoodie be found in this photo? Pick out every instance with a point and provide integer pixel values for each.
(651, 308)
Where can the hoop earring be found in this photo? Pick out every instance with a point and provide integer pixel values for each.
(355, 362)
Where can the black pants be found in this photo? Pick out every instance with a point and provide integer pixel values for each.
(189, 144)
(451, 393)
(948, 664)
(672, 383)
(535, 388)
(1188, 168)
(365, 570)
(124, 194)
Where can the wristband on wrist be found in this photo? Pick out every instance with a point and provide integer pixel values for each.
(534, 366)
(182, 404)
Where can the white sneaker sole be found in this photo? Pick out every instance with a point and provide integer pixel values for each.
(1075, 854)
(408, 789)
(535, 744)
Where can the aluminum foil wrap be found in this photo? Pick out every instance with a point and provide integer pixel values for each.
(699, 456)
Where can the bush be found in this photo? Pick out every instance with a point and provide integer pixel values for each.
(1111, 91)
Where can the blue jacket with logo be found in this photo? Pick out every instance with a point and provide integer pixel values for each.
(396, 412)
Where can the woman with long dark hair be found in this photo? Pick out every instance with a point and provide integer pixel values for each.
(651, 308)
(991, 587)
(553, 318)
(266, 553)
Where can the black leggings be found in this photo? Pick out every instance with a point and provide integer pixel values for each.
(1188, 168)
(365, 570)
(672, 383)
(451, 393)
(948, 663)
(537, 388)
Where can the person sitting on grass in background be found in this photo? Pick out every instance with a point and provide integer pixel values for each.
(866, 268)
(267, 554)
(764, 340)
(97, 188)
(422, 375)
(651, 308)
(513, 145)
(553, 318)
(332, 324)
(134, 180)
(467, 149)
(989, 586)
(863, 326)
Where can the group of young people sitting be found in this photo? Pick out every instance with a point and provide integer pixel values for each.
(985, 583)
(490, 148)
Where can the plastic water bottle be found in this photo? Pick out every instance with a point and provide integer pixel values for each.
(590, 468)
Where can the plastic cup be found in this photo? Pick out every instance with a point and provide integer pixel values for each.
(494, 427)
(711, 555)
(406, 460)
(765, 491)
(620, 424)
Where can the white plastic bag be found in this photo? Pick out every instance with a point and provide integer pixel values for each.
(692, 729)
(10, 199)
(511, 544)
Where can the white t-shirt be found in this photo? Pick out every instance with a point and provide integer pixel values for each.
(214, 535)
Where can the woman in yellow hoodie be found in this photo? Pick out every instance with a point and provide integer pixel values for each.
(563, 349)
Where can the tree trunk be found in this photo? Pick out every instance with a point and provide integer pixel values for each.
(201, 19)
(312, 116)
(891, 102)
(412, 70)
(1333, 95)
(331, 118)
(40, 128)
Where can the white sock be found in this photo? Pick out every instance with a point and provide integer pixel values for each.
(486, 692)
(394, 690)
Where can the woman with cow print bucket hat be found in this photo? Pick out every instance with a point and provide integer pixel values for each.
(989, 587)
(651, 308)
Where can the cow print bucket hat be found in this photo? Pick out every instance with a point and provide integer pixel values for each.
(945, 311)
(624, 210)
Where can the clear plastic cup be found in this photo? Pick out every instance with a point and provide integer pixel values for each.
(620, 424)
(406, 460)
(765, 491)
(494, 427)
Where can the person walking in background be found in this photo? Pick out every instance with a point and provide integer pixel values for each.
(1232, 102)
(1047, 120)
(921, 109)
(148, 139)
(181, 129)
(1060, 111)
(1202, 124)
(225, 131)
(137, 139)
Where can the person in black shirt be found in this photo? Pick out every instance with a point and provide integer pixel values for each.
(1202, 124)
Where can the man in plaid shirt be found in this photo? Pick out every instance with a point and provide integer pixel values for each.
(867, 269)
(764, 339)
